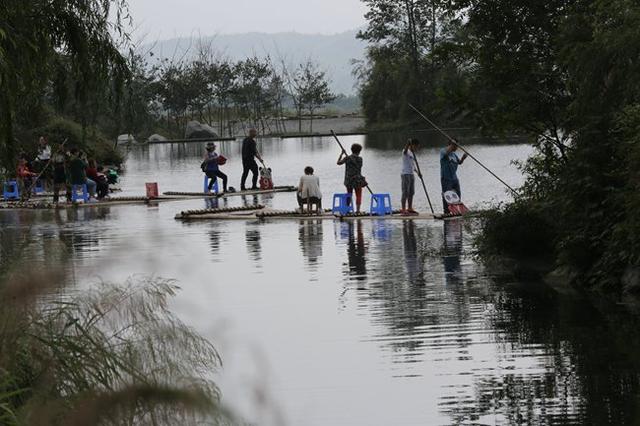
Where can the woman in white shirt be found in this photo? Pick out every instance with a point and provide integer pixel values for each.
(309, 191)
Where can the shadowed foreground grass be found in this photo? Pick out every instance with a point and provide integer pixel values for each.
(110, 355)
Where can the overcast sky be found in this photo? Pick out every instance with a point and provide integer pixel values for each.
(162, 19)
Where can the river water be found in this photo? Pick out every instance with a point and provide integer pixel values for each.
(360, 323)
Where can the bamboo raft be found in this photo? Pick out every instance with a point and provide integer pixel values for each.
(39, 204)
(259, 212)
(232, 194)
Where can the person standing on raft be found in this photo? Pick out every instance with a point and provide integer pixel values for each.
(449, 162)
(353, 179)
(212, 170)
(408, 181)
(249, 155)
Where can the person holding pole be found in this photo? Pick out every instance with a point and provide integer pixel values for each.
(353, 179)
(249, 154)
(407, 179)
(449, 162)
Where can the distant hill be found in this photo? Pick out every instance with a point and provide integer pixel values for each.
(333, 52)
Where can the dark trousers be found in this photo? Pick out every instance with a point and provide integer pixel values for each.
(102, 189)
(57, 186)
(449, 185)
(249, 165)
(213, 175)
(309, 201)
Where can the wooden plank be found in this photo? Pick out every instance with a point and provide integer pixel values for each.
(232, 194)
(255, 215)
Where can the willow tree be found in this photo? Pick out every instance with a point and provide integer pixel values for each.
(36, 34)
(310, 91)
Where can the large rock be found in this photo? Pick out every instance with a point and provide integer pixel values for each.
(126, 140)
(197, 130)
(157, 138)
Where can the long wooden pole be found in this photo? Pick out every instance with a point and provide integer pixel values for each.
(424, 186)
(435, 126)
(345, 152)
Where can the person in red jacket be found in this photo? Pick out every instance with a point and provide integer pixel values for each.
(25, 176)
(94, 173)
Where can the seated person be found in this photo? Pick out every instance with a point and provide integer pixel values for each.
(95, 174)
(77, 172)
(309, 191)
(112, 177)
(59, 160)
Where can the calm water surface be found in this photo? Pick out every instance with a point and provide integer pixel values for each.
(362, 323)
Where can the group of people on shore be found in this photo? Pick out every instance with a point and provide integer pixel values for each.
(62, 169)
(308, 191)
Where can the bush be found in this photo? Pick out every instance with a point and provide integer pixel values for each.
(94, 143)
(520, 230)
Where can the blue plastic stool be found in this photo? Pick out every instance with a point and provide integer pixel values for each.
(76, 195)
(10, 190)
(206, 185)
(342, 204)
(38, 188)
(380, 205)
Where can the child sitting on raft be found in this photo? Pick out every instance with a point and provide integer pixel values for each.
(95, 173)
(353, 179)
(212, 167)
(309, 191)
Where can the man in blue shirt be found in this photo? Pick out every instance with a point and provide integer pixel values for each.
(449, 162)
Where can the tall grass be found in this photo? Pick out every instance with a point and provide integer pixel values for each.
(114, 354)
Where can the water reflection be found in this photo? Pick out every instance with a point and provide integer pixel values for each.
(452, 250)
(215, 237)
(430, 332)
(212, 203)
(254, 246)
(382, 230)
(411, 260)
(311, 237)
(356, 252)
(249, 200)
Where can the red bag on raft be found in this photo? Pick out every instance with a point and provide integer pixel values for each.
(456, 207)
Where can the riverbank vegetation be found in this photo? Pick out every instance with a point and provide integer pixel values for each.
(563, 73)
(59, 60)
(111, 355)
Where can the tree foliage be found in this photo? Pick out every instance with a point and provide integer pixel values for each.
(310, 90)
(56, 41)
(564, 73)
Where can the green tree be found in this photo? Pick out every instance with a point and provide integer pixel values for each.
(402, 65)
(35, 34)
(311, 90)
(566, 73)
